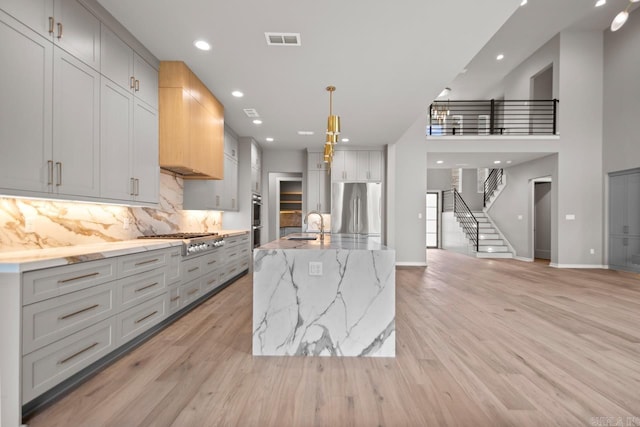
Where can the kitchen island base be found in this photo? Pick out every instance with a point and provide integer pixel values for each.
(331, 298)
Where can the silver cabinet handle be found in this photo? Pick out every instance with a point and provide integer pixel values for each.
(51, 25)
(175, 299)
(191, 270)
(149, 261)
(59, 168)
(75, 313)
(625, 241)
(60, 29)
(146, 287)
(192, 291)
(132, 82)
(217, 201)
(625, 229)
(137, 187)
(146, 317)
(50, 171)
(76, 354)
(137, 85)
(133, 187)
(84, 276)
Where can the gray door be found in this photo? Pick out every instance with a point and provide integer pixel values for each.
(542, 227)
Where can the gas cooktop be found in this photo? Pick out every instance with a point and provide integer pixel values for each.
(178, 236)
(193, 243)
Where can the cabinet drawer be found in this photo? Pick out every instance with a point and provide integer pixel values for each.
(173, 300)
(39, 285)
(136, 320)
(132, 264)
(48, 321)
(191, 269)
(189, 292)
(211, 262)
(50, 365)
(211, 281)
(174, 262)
(141, 287)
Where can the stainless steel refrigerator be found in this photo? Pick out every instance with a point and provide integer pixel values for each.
(356, 208)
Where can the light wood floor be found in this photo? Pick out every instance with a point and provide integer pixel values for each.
(479, 342)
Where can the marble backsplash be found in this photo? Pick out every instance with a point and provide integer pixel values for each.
(35, 224)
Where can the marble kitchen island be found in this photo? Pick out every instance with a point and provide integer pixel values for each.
(324, 298)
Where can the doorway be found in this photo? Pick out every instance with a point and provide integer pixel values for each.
(289, 197)
(433, 224)
(542, 220)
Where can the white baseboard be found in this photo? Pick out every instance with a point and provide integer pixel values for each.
(601, 266)
(411, 264)
(521, 258)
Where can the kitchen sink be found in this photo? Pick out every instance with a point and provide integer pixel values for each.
(302, 238)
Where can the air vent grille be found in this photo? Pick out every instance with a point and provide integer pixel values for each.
(283, 39)
(251, 112)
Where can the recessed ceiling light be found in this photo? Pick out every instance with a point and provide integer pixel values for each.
(508, 162)
(601, 3)
(345, 139)
(237, 94)
(269, 139)
(257, 122)
(462, 164)
(500, 57)
(497, 162)
(305, 132)
(523, 2)
(202, 45)
(440, 162)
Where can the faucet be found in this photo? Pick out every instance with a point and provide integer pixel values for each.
(321, 222)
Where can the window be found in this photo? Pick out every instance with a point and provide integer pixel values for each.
(456, 179)
(432, 220)
(483, 174)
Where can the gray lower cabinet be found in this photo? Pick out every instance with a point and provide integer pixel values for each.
(76, 314)
(624, 220)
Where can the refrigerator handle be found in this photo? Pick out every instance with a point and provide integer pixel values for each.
(358, 229)
(355, 216)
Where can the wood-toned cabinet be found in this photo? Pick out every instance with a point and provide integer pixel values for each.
(191, 124)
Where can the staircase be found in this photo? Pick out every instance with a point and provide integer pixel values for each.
(491, 244)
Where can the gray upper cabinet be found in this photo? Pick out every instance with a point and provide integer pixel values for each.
(624, 221)
(25, 123)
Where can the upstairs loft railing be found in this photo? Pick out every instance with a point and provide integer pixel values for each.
(452, 201)
(493, 117)
(492, 183)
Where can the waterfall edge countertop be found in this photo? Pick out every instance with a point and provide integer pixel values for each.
(324, 298)
(335, 241)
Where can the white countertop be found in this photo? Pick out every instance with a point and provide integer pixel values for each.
(35, 259)
(331, 241)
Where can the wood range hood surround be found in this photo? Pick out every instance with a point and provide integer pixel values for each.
(191, 124)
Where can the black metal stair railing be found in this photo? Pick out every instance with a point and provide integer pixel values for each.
(452, 201)
(492, 183)
(494, 117)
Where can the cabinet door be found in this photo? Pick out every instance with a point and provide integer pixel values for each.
(337, 167)
(633, 204)
(117, 59)
(116, 118)
(362, 159)
(33, 13)
(375, 166)
(76, 115)
(324, 192)
(618, 251)
(313, 196)
(350, 165)
(146, 84)
(25, 107)
(230, 184)
(145, 152)
(77, 31)
(617, 204)
(315, 161)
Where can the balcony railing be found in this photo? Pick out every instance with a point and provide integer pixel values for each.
(493, 117)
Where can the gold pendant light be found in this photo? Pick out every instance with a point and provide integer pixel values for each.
(333, 129)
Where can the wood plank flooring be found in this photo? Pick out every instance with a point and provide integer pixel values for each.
(479, 342)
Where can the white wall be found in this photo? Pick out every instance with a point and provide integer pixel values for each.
(470, 195)
(516, 201)
(439, 179)
(621, 149)
(409, 187)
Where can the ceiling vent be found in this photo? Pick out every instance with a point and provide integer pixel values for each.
(251, 112)
(283, 39)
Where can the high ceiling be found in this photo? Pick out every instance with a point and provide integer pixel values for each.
(388, 60)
